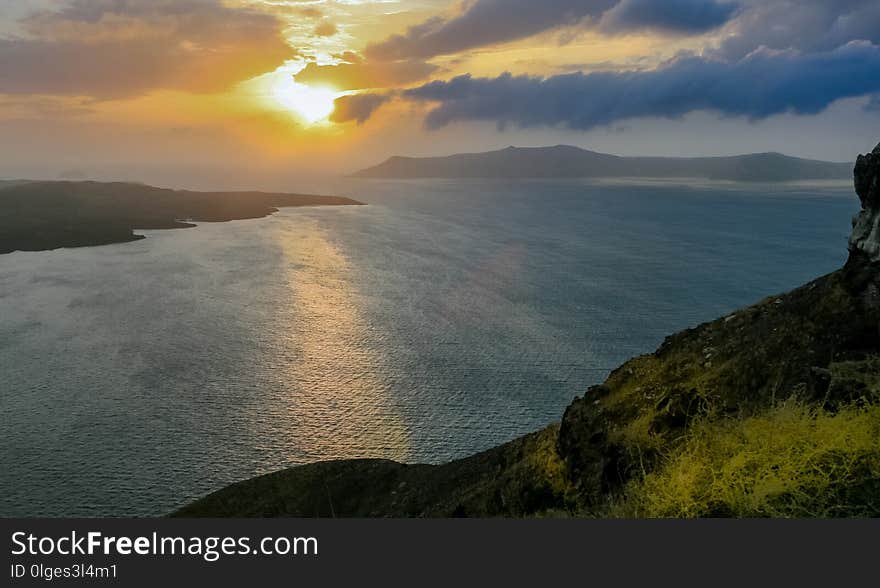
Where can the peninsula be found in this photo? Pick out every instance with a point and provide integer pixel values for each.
(773, 410)
(37, 216)
(563, 161)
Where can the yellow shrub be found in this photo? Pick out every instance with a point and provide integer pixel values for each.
(789, 461)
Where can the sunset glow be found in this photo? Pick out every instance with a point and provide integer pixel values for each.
(312, 105)
(332, 87)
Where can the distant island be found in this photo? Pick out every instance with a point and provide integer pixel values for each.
(564, 161)
(37, 216)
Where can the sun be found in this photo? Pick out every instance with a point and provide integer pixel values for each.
(312, 104)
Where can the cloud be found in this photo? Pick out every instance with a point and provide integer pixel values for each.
(310, 12)
(873, 104)
(358, 74)
(482, 23)
(806, 25)
(112, 49)
(490, 22)
(357, 107)
(18, 107)
(763, 84)
(325, 28)
(678, 16)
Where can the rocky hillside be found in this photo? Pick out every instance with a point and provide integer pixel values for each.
(773, 410)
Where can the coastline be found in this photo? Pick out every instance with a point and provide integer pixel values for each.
(42, 216)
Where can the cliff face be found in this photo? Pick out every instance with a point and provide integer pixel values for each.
(864, 243)
(773, 410)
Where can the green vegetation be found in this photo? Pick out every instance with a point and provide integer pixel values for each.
(792, 460)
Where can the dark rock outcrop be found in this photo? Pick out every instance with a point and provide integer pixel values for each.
(864, 242)
(584, 444)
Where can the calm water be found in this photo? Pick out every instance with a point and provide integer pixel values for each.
(442, 319)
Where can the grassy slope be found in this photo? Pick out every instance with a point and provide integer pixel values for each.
(770, 411)
(810, 353)
(794, 459)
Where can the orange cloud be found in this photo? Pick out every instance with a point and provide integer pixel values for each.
(357, 107)
(360, 74)
(106, 49)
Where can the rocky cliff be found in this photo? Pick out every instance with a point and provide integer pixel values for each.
(864, 243)
(773, 410)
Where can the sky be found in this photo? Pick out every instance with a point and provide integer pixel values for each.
(260, 92)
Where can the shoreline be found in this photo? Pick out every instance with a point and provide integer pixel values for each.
(44, 216)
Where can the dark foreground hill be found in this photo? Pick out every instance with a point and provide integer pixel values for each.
(572, 162)
(35, 216)
(773, 410)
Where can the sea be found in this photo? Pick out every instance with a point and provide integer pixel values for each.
(443, 318)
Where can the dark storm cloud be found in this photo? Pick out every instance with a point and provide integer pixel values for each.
(489, 22)
(807, 25)
(764, 84)
(114, 49)
(677, 16)
(357, 107)
(485, 22)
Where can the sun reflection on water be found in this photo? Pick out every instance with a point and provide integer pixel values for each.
(339, 402)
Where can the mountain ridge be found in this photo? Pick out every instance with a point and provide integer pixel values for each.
(567, 161)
